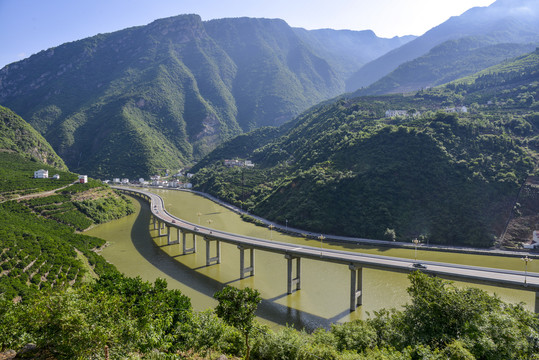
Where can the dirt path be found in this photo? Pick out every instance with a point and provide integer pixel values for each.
(39, 194)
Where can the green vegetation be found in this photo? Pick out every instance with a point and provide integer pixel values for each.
(344, 168)
(38, 253)
(128, 315)
(17, 176)
(38, 244)
(19, 137)
(237, 308)
(136, 319)
(48, 299)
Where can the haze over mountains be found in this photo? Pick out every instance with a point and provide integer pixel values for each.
(505, 21)
(162, 96)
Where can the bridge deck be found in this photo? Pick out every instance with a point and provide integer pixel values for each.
(473, 274)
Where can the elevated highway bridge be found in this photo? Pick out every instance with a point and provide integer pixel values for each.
(165, 223)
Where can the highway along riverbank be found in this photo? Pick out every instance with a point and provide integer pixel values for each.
(137, 250)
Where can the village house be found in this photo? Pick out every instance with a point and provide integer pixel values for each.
(56, 176)
(83, 179)
(159, 183)
(458, 109)
(535, 242)
(391, 113)
(41, 174)
(238, 163)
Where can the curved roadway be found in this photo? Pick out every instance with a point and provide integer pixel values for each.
(490, 276)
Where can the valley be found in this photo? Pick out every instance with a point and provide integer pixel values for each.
(429, 143)
(137, 250)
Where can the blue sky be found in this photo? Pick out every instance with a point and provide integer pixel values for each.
(29, 26)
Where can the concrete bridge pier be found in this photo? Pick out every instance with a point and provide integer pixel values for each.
(356, 280)
(251, 268)
(179, 235)
(160, 226)
(290, 280)
(154, 223)
(192, 249)
(168, 235)
(217, 258)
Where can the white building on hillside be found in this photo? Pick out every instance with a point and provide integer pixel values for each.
(83, 179)
(391, 113)
(535, 242)
(41, 174)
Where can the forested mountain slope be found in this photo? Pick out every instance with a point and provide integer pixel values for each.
(446, 62)
(160, 96)
(16, 135)
(446, 176)
(505, 21)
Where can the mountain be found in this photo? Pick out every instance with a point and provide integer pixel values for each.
(505, 21)
(441, 172)
(446, 62)
(346, 50)
(17, 136)
(163, 95)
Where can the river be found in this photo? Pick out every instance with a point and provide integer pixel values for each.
(136, 250)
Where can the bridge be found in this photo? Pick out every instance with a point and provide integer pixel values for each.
(164, 222)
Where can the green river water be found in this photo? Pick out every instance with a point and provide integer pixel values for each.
(136, 250)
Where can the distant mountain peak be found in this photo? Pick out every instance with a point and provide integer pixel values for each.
(505, 21)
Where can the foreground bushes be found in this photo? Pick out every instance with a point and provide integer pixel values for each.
(137, 319)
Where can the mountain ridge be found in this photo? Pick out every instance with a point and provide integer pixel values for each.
(500, 22)
(444, 63)
(170, 89)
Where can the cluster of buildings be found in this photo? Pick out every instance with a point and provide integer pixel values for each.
(154, 181)
(457, 109)
(238, 163)
(44, 174)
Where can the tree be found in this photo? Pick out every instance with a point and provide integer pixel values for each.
(237, 308)
(390, 234)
